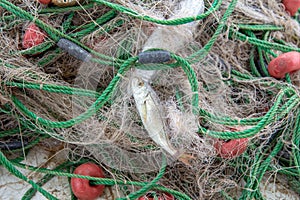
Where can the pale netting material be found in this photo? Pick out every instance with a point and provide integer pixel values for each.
(115, 136)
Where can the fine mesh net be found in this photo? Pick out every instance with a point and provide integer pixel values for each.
(99, 120)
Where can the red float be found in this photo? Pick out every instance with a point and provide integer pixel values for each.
(33, 36)
(45, 1)
(291, 6)
(231, 148)
(81, 187)
(163, 196)
(285, 63)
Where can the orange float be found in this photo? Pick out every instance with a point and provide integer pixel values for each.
(291, 6)
(81, 187)
(283, 64)
(232, 148)
(33, 36)
(44, 1)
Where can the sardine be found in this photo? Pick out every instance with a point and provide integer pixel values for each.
(147, 103)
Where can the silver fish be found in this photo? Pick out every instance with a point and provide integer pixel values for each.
(147, 101)
(147, 104)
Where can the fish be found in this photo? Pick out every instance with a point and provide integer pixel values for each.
(147, 103)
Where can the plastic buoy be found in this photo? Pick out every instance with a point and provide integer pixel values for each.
(45, 1)
(81, 187)
(291, 6)
(285, 63)
(231, 148)
(33, 36)
(163, 196)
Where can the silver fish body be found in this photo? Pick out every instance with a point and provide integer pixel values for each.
(147, 102)
(148, 106)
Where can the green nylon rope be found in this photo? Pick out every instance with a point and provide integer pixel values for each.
(258, 171)
(101, 181)
(253, 67)
(31, 192)
(37, 49)
(57, 10)
(10, 132)
(287, 99)
(102, 99)
(199, 55)
(52, 32)
(262, 43)
(88, 28)
(143, 190)
(260, 27)
(192, 79)
(215, 6)
(9, 166)
(60, 89)
(83, 92)
(262, 123)
(296, 143)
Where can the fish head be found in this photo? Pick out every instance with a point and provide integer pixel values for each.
(139, 88)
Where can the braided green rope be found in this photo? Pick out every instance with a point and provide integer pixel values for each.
(10, 132)
(25, 15)
(192, 79)
(262, 43)
(264, 71)
(296, 143)
(52, 32)
(260, 27)
(31, 192)
(67, 23)
(287, 99)
(102, 99)
(261, 58)
(50, 57)
(37, 49)
(252, 64)
(264, 121)
(57, 10)
(199, 55)
(143, 190)
(88, 28)
(60, 89)
(101, 181)
(248, 121)
(257, 173)
(9, 166)
(262, 62)
(215, 6)
(268, 52)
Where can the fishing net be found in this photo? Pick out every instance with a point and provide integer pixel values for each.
(214, 88)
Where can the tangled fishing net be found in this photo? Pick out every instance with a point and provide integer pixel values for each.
(214, 88)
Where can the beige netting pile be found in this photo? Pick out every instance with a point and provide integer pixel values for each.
(169, 97)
